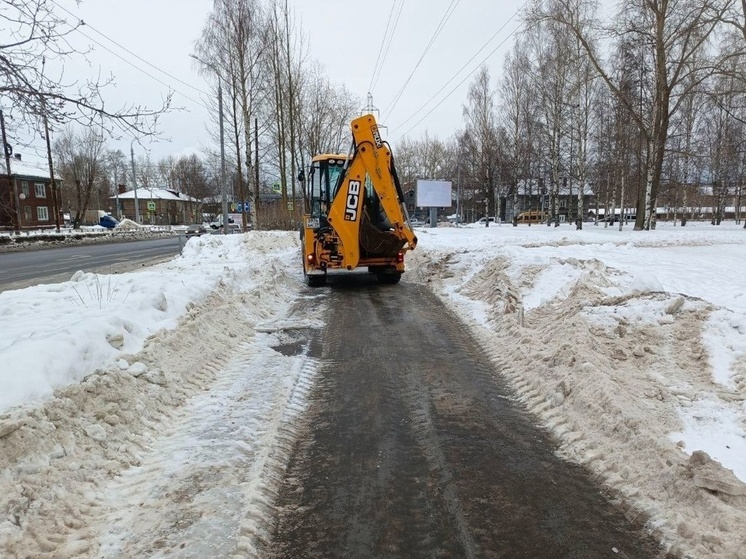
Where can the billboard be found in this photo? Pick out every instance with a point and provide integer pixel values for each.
(433, 194)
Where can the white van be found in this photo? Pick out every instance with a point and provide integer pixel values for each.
(234, 223)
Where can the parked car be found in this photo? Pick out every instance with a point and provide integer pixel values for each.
(414, 222)
(108, 221)
(483, 220)
(195, 230)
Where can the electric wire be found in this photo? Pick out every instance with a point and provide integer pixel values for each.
(380, 49)
(455, 88)
(484, 46)
(443, 20)
(388, 45)
(125, 49)
(135, 66)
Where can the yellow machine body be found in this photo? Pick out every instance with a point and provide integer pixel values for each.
(357, 213)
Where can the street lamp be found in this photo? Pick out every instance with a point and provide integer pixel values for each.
(222, 141)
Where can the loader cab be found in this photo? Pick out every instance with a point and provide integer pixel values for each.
(323, 183)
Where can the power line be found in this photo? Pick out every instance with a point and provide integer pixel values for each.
(388, 46)
(443, 20)
(484, 46)
(135, 66)
(457, 85)
(380, 49)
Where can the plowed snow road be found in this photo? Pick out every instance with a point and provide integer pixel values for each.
(350, 422)
(413, 447)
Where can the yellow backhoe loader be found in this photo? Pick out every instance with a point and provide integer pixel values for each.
(357, 213)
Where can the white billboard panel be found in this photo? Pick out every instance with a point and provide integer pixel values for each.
(433, 194)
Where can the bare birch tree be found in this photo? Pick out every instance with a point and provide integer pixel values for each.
(82, 165)
(231, 49)
(551, 51)
(116, 173)
(519, 117)
(37, 30)
(672, 32)
(480, 139)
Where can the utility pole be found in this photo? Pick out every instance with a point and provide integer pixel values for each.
(370, 108)
(134, 183)
(11, 183)
(222, 157)
(458, 191)
(256, 173)
(119, 212)
(53, 184)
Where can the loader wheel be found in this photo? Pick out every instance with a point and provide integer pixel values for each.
(389, 278)
(316, 281)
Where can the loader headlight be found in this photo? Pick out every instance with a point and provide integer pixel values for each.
(311, 258)
(400, 258)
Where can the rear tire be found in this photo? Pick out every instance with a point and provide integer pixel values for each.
(316, 281)
(389, 278)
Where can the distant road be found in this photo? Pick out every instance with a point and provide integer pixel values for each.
(23, 269)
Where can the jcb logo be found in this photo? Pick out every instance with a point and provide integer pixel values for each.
(353, 197)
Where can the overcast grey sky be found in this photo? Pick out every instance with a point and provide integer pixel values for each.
(344, 35)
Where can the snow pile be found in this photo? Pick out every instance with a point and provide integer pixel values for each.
(107, 365)
(631, 349)
(128, 225)
(62, 332)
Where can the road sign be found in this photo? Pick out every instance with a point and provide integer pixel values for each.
(151, 206)
(238, 207)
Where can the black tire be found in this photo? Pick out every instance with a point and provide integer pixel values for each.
(316, 281)
(389, 278)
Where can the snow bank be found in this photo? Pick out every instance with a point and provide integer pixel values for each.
(62, 332)
(629, 347)
(165, 407)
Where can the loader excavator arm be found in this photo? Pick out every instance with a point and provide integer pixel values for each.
(354, 214)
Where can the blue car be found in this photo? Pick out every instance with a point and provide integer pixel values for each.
(108, 221)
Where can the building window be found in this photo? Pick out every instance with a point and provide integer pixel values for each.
(40, 189)
(27, 214)
(24, 188)
(563, 204)
(42, 213)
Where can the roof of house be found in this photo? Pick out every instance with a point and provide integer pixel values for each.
(35, 169)
(156, 194)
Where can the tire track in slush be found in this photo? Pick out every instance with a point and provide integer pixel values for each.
(414, 446)
(207, 485)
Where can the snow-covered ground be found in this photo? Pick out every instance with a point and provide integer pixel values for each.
(154, 402)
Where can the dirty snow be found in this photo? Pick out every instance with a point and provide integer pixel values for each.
(148, 415)
(630, 347)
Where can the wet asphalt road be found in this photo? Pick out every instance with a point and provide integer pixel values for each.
(25, 268)
(413, 447)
